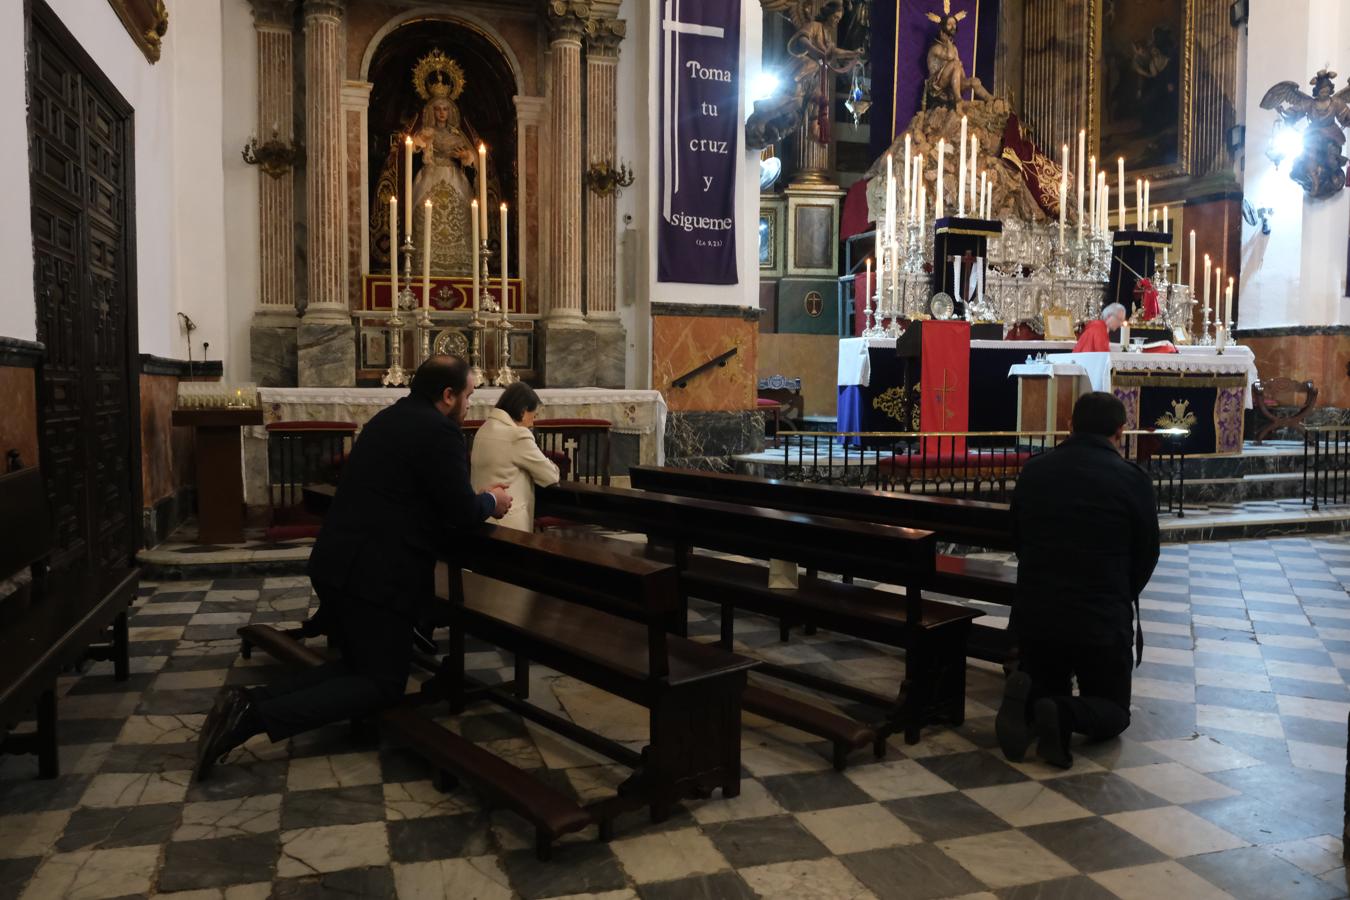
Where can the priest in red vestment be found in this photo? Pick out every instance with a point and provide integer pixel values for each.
(1096, 337)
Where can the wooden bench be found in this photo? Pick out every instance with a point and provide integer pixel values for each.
(933, 634)
(41, 630)
(969, 523)
(599, 617)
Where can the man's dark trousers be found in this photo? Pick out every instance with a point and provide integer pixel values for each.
(1102, 708)
(376, 647)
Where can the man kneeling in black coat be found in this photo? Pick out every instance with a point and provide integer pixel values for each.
(1086, 531)
(403, 495)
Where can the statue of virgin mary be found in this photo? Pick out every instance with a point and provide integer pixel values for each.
(446, 145)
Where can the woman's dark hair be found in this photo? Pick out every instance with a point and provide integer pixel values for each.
(437, 374)
(517, 400)
(1098, 413)
(830, 8)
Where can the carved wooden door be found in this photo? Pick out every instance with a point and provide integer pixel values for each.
(80, 174)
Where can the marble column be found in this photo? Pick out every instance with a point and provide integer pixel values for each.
(603, 36)
(327, 348)
(272, 334)
(569, 346)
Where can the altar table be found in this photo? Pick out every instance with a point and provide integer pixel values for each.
(641, 414)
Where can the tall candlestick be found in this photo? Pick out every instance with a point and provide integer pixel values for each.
(939, 208)
(1082, 153)
(909, 164)
(1191, 280)
(407, 185)
(1206, 288)
(482, 191)
(426, 255)
(1092, 191)
(1120, 188)
(474, 238)
(961, 174)
(505, 246)
(393, 251)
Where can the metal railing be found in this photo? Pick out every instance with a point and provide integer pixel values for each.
(1326, 465)
(972, 465)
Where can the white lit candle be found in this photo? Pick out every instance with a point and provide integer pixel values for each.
(1191, 281)
(916, 185)
(1106, 205)
(1082, 153)
(1206, 287)
(1092, 191)
(407, 185)
(426, 255)
(974, 167)
(961, 174)
(867, 282)
(888, 224)
(474, 237)
(393, 251)
(1228, 304)
(1139, 223)
(1165, 228)
(1148, 206)
(984, 184)
(1218, 292)
(1120, 188)
(1063, 197)
(505, 245)
(939, 209)
(923, 201)
(482, 190)
(909, 164)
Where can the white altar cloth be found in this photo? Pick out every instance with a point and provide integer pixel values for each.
(855, 366)
(641, 413)
(1098, 367)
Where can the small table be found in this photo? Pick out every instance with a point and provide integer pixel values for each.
(1047, 372)
(220, 474)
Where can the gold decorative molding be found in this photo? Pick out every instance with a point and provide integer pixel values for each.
(147, 21)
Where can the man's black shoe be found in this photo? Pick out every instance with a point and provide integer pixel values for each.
(1011, 726)
(1052, 744)
(221, 732)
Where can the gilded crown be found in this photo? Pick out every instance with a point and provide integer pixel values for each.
(437, 76)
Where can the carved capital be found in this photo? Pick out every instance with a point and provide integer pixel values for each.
(273, 13)
(318, 8)
(603, 36)
(567, 20)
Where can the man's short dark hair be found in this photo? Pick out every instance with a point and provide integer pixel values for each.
(518, 399)
(438, 373)
(1098, 413)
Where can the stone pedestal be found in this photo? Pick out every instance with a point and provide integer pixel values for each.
(570, 354)
(272, 350)
(326, 354)
(611, 353)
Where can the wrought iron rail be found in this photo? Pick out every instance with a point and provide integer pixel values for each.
(1326, 465)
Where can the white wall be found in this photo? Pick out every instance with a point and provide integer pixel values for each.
(633, 143)
(241, 250)
(177, 167)
(1296, 274)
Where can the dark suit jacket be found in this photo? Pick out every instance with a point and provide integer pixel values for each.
(403, 493)
(1086, 528)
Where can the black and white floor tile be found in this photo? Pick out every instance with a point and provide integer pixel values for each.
(1229, 781)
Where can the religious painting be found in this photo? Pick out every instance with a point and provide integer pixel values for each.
(449, 89)
(146, 21)
(1142, 94)
(814, 238)
(768, 240)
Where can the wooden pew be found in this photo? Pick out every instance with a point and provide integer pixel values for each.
(595, 615)
(933, 634)
(41, 631)
(970, 523)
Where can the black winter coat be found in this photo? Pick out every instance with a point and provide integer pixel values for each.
(1086, 531)
(403, 493)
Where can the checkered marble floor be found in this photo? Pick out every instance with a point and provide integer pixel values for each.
(1229, 781)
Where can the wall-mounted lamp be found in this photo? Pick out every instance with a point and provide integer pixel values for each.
(604, 179)
(1249, 214)
(276, 157)
(1237, 136)
(1286, 141)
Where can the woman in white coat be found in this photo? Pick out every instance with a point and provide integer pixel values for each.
(504, 452)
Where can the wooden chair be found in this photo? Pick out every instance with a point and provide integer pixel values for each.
(1269, 396)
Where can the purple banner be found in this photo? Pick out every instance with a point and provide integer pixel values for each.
(902, 32)
(700, 126)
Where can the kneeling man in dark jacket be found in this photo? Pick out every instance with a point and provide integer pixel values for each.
(1086, 531)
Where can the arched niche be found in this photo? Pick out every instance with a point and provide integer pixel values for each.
(486, 104)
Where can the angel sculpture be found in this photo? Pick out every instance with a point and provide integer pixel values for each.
(816, 59)
(1320, 167)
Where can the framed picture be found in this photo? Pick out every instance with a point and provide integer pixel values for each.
(768, 239)
(146, 21)
(1059, 324)
(1140, 90)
